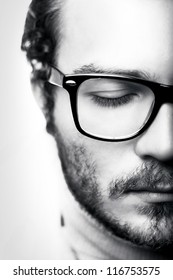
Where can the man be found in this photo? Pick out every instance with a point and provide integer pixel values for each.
(103, 75)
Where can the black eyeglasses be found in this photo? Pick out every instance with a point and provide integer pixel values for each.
(112, 107)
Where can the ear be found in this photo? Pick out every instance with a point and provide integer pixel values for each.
(38, 92)
(37, 84)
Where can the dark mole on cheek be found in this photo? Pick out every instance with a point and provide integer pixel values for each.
(62, 222)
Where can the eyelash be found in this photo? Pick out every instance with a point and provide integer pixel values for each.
(112, 102)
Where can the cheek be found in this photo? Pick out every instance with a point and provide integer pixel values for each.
(112, 160)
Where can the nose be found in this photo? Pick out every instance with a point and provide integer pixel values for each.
(157, 140)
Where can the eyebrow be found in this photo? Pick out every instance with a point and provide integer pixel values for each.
(94, 69)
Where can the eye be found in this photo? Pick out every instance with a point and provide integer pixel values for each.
(106, 101)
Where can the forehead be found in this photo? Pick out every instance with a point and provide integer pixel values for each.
(117, 33)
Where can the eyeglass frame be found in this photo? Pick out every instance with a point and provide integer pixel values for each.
(71, 83)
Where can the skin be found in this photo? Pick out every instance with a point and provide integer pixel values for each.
(131, 36)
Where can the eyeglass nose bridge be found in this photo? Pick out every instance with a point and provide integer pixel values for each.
(164, 94)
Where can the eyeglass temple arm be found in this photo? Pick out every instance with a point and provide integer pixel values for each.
(56, 77)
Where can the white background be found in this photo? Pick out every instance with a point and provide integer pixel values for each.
(29, 169)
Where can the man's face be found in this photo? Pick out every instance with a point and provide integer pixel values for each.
(128, 186)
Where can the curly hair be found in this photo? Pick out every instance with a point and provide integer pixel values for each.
(39, 43)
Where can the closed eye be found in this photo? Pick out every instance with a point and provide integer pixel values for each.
(113, 102)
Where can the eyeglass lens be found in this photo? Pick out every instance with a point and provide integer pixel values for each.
(113, 108)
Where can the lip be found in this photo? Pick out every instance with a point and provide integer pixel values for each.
(153, 197)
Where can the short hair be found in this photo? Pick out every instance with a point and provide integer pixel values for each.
(39, 41)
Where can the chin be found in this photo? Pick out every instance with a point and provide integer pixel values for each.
(154, 230)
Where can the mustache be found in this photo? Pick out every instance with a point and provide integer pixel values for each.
(152, 176)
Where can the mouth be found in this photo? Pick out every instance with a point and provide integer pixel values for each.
(152, 197)
(153, 194)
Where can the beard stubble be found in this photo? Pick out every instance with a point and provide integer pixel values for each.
(80, 172)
